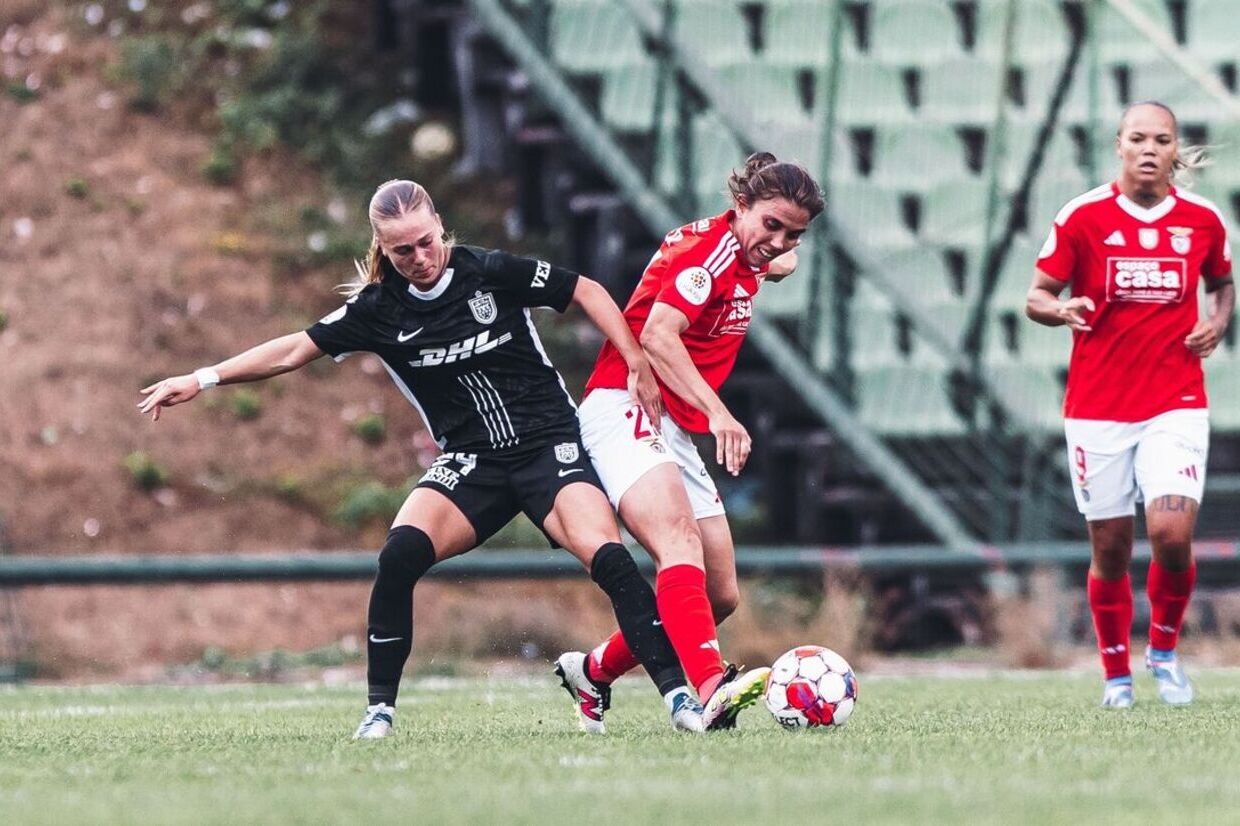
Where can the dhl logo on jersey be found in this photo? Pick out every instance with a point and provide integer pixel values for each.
(1147, 280)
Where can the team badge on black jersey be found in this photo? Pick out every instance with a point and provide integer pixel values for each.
(566, 453)
(482, 305)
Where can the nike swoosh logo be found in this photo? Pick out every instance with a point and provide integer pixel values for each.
(402, 338)
(373, 638)
(564, 473)
(657, 622)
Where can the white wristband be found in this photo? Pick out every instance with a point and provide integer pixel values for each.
(207, 378)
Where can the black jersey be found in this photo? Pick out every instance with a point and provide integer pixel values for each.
(465, 353)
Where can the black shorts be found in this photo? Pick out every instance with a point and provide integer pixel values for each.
(491, 488)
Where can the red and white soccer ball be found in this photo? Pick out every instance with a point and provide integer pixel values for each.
(811, 686)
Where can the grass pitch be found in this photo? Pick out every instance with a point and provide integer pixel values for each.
(1016, 748)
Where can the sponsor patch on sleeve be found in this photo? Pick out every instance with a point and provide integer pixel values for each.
(694, 285)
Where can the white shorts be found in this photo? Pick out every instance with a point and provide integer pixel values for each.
(624, 447)
(1114, 465)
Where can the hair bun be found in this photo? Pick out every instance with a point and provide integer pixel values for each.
(759, 160)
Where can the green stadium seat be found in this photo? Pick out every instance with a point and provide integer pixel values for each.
(913, 32)
(1014, 279)
(1118, 41)
(1043, 346)
(1162, 81)
(961, 91)
(920, 274)
(916, 158)
(871, 94)
(875, 338)
(1213, 30)
(866, 294)
(1223, 391)
(1035, 392)
(798, 33)
(594, 35)
(995, 349)
(767, 94)
(953, 213)
(870, 216)
(947, 318)
(902, 400)
(1058, 159)
(1040, 79)
(1050, 193)
(790, 297)
(801, 144)
(713, 32)
(1041, 32)
(628, 98)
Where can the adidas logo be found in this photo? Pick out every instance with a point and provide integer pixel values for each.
(739, 292)
(1115, 239)
(1190, 472)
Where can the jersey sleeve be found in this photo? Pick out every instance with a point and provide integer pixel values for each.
(1217, 263)
(687, 284)
(534, 283)
(1058, 255)
(345, 330)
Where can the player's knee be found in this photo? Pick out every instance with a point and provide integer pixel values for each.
(407, 555)
(1170, 540)
(613, 567)
(681, 542)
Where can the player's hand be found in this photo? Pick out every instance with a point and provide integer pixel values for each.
(1204, 338)
(732, 442)
(1071, 312)
(645, 389)
(166, 393)
(781, 267)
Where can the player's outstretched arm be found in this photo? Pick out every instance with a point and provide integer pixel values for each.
(595, 301)
(661, 341)
(271, 358)
(1043, 305)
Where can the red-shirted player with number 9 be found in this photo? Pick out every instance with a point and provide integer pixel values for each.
(690, 311)
(1136, 421)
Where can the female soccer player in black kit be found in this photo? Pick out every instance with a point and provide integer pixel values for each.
(452, 326)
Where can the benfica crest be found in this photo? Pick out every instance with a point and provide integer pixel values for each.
(482, 305)
(566, 453)
(1180, 242)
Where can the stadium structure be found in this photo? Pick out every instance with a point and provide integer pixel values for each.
(916, 401)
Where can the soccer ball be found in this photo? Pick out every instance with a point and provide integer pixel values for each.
(811, 686)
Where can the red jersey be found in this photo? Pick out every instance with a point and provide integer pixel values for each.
(699, 271)
(1141, 267)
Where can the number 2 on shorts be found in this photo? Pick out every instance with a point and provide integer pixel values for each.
(639, 428)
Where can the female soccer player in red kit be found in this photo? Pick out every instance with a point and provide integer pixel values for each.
(690, 312)
(1135, 411)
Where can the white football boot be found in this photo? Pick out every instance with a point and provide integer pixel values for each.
(1173, 685)
(377, 723)
(685, 711)
(1117, 693)
(734, 693)
(590, 699)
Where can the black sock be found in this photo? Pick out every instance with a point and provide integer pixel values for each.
(632, 599)
(405, 557)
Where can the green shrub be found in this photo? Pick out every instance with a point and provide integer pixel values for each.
(151, 64)
(220, 167)
(371, 429)
(145, 473)
(368, 501)
(77, 188)
(245, 405)
(22, 93)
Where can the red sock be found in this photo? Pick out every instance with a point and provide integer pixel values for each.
(1169, 594)
(610, 660)
(1110, 601)
(680, 591)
